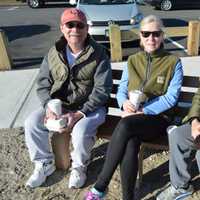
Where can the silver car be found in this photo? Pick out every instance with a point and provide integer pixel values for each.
(100, 13)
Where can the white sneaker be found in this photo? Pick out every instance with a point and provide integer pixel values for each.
(40, 173)
(77, 177)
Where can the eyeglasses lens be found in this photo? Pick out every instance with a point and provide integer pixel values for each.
(146, 34)
(77, 25)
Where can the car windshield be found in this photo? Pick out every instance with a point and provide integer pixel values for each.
(106, 2)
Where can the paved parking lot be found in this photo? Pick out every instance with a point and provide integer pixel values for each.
(31, 32)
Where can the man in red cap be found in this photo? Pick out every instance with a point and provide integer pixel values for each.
(76, 71)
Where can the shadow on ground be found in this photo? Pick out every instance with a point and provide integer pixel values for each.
(23, 31)
(26, 63)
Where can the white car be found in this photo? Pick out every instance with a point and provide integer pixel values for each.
(40, 3)
(100, 13)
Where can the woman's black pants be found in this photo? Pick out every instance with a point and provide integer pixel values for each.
(124, 147)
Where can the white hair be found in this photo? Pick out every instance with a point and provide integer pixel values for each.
(151, 18)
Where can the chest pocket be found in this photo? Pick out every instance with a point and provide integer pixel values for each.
(59, 73)
(156, 85)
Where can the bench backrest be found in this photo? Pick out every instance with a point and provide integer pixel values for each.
(189, 87)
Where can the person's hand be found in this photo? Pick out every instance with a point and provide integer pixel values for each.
(128, 107)
(50, 115)
(195, 128)
(72, 118)
(126, 114)
(196, 132)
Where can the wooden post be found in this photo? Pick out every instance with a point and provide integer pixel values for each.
(193, 38)
(5, 59)
(60, 146)
(115, 43)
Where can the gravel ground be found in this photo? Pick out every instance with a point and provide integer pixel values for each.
(15, 168)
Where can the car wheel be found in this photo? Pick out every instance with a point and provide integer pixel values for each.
(34, 3)
(42, 3)
(166, 5)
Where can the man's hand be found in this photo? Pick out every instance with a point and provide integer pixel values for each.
(72, 118)
(196, 132)
(50, 115)
(195, 128)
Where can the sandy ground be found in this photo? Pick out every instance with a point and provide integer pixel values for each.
(15, 168)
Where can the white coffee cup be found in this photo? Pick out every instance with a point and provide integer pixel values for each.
(135, 97)
(56, 124)
(55, 105)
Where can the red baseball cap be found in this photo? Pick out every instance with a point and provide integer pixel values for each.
(73, 14)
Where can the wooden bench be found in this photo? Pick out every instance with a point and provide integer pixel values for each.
(190, 85)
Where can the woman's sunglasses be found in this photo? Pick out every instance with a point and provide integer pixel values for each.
(77, 25)
(146, 34)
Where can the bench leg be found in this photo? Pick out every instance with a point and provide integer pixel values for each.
(60, 146)
(140, 166)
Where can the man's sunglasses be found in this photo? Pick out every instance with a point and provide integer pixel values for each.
(77, 25)
(146, 34)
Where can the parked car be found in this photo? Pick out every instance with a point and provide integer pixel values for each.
(40, 3)
(101, 13)
(171, 4)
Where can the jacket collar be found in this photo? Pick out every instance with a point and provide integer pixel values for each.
(89, 48)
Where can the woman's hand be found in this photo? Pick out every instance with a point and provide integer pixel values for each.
(125, 114)
(128, 107)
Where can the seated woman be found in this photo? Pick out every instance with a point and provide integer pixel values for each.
(155, 75)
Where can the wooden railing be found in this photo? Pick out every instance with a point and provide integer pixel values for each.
(5, 58)
(192, 32)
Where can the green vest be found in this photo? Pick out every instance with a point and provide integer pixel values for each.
(76, 83)
(151, 73)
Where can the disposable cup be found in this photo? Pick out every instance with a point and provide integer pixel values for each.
(55, 105)
(135, 97)
(56, 125)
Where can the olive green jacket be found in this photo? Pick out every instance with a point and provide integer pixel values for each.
(194, 111)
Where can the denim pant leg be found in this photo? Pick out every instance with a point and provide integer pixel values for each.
(83, 137)
(182, 151)
(37, 137)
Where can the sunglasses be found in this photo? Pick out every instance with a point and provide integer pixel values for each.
(77, 25)
(146, 34)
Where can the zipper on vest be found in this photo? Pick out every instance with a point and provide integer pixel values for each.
(148, 72)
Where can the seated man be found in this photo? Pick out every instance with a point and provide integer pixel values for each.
(76, 71)
(184, 143)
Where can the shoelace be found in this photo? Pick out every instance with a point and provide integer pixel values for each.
(75, 173)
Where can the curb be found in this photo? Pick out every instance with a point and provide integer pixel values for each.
(12, 4)
(23, 98)
(18, 98)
